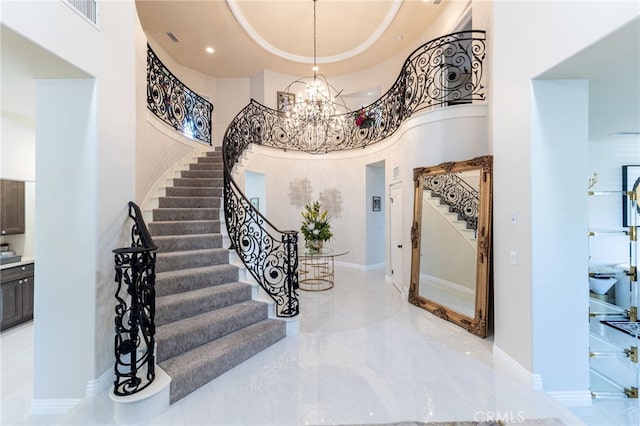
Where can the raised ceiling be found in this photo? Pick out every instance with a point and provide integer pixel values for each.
(250, 36)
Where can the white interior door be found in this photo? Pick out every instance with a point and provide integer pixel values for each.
(395, 227)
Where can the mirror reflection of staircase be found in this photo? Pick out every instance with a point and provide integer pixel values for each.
(459, 224)
(207, 320)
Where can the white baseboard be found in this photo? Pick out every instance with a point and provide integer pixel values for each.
(534, 380)
(58, 406)
(43, 407)
(356, 266)
(375, 266)
(573, 399)
(96, 386)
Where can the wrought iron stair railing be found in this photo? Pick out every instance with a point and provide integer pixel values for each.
(445, 71)
(135, 309)
(270, 255)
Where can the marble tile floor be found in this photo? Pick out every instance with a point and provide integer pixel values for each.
(363, 355)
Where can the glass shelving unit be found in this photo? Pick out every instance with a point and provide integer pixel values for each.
(615, 330)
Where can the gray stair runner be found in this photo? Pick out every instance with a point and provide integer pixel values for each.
(206, 321)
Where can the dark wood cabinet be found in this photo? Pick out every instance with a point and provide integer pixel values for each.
(11, 304)
(16, 295)
(11, 207)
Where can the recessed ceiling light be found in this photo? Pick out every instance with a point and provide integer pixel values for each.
(209, 49)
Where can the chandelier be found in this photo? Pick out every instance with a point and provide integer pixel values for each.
(317, 115)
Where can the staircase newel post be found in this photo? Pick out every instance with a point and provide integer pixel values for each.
(290, 240)
(135, 309)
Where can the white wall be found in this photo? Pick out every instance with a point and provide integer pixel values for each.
(255, 187)
(65, 289)
(85, 156)
(233, 94)
(519, 52)
(559, 241)
(375, 220)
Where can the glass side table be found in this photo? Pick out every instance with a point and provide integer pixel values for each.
(316, 269)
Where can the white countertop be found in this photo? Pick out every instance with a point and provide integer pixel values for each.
(24, 261)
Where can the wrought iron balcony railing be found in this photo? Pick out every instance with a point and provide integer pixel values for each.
(445, 71)
(174, 103)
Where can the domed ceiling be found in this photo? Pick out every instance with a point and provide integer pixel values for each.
(249, 36)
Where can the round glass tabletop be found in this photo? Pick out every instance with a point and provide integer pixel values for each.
(326, 250)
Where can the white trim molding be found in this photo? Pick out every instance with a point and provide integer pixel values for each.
(573, 398)
(42, 407)
(373, 37)
(96, 386)
(534, 380)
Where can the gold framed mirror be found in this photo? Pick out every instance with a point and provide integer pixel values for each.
(451, 242)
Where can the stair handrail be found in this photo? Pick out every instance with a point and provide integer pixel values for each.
(456, 193)
(269, 254)
(134, 343)
(447, 70)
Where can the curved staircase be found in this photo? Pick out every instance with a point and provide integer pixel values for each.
(207, 321)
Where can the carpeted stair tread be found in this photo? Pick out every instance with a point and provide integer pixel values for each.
(192, 191)
(210, 160)
(181, 280)
(167, 243)
(206, 166)
(201, 174)
(195, 368)
(176, 260)
(189, 202)
(211, 183)
(206, 320)
(186, 334)
(190, 303)
(186, 214)
(186, 227)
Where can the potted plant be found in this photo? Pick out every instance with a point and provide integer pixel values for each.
(315, 226)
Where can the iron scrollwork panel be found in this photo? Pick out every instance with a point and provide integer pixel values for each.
(445, 71)
(271, 260)
(134, 341)
(134, 321)
(174, 103)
